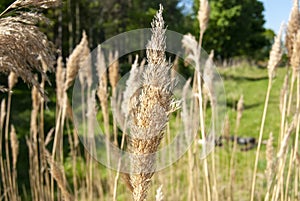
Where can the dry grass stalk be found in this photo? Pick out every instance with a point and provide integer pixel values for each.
(283, 94)
(240, 109)
(295, 59)
(226, 130)
(3, 89)
(292, 29)
(295, 62)
(33, 146)
(113, 79)
(131, 87)
(149, 106)
(35, 108)
(12, 80)
(208, 76)
(10, 182)
(281, 161)
(58, 174)
(270, 158)
(288, 177)
(159, 194)
(186, 116)
(85, 69)
(60, 80)
(73, 63)
(193, 55)
(2, 118)
(193, 49)
(14, 143)
(91, 115)
(102, 88)
(79, 57)
(275, 54)
(203, 15)
(102, 93)
(41, 4)
(283, 106)
(49, 137)
(275, 57)
(278, 170)
(113, 70)
(16, 35)
(41, 139)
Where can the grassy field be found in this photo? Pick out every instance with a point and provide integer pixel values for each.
(252, 83)
(50, 150)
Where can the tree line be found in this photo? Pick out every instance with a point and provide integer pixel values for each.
(236, 28)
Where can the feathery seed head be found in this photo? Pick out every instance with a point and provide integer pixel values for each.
(208, 76)
(240, 106)
(60, 80)
(286, 137)
(148, 110)
(14, 146)
(131, 86)
(203, 15)
(295, 60)
(292, 28)
(269, 156)
(35, 97)
(193, 53)
(157, 45)
(2, 112)
(275, 54)
(12, 80)
(58, 174)
(21, 44)
(78, 55)
(159, 194)
(102, 76)
(40, 4)
(113, 69)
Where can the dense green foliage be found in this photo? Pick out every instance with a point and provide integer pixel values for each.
(236, 29)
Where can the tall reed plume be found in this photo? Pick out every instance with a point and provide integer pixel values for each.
(274, 59)
(292, 28)
(22, 43)
(148, 111)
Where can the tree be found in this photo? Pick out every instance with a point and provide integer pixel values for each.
(107, 18)
(235, 28)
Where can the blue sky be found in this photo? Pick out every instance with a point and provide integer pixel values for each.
(276, 12)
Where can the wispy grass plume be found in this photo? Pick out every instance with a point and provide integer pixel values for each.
(149, 108)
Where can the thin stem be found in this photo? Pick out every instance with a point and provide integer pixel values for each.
(202, 124)
(7, 9)
(6, 140)
(119, 165)
(297, 134)
(260, 138)
(291, 93)
(288, 177)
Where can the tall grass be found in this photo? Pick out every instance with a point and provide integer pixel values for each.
(56, 173)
